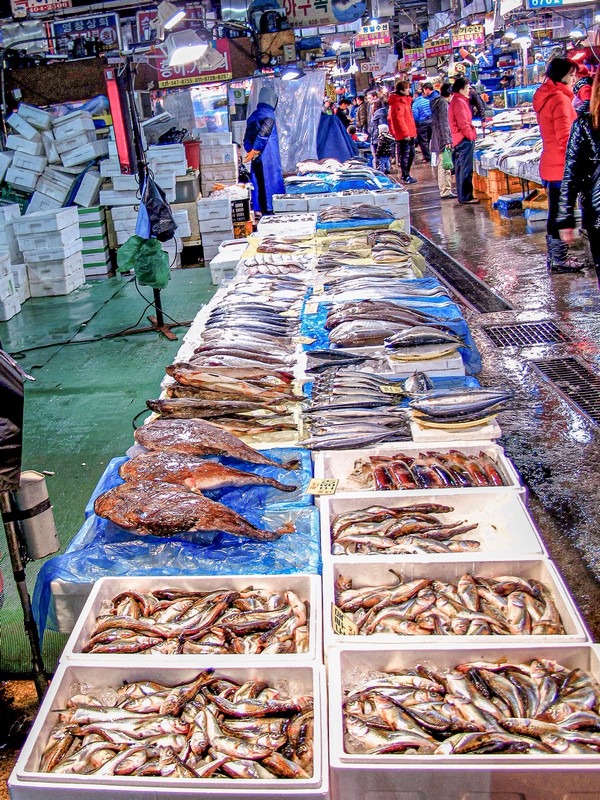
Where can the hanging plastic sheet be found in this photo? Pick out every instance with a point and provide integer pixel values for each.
(109, 551)
(297, 115)
(148, 260)
(333, 140)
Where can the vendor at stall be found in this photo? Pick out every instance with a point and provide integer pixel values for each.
(261, 143)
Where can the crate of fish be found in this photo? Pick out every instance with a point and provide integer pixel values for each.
(445, 526)
(404, 467)
(465, 723)
(194, 733)
(416, 602)
(181, 617)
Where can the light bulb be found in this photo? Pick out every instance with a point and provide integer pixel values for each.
(577, 33)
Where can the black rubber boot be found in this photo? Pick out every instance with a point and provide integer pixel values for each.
(560, 262)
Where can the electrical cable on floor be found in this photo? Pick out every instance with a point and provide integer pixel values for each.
(164, 313)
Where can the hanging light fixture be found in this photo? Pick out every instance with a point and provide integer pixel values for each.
(169, 15)
(183, 47)
(292, 73)
(353, 68)
(577, 33)
(523, 35)
(510, 34)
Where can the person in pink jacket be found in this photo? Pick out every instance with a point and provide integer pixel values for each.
(463, 140)
(553, 105)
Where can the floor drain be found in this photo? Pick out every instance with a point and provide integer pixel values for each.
(523, 334)
(575, 382)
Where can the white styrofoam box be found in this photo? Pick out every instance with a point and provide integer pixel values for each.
(124, 212)
(42, 120)
(21, 178)
(9, 307)
(184, 231)
(82, 126)
(52, 189)
(306, 587)
(349, 200)
(19, 273)
(23, 292)
(22, 127)
(110, 167)
(219, 173)
(166, 180)
(297, 680)
(486, 432)
(81, 113)
(91, 214)
(50, 148)
(60, 176)
(167, 153)
(124, 235)
(89, 188)
(52, 270)
(210, 209)
(5, 162)
(121, 225)
(212, 139)
(112, 149)
(220, 272)
(34, 147)
(9, 212)
(7, 233)
(97, 271)
(341, 464)
(87, 152)
(49, 241)
(212, 155)
(234, 246)
(178, 169)
(501, 776)
(316, 202)
(41, 202)
(125, 183)
(181, 216)
(65, 143)
(109, 197)
(223, 226)
(209, 252)
(5, 266)
(32, 257)
(11, 248)
(284, 203)
(46, 221)
(504, 527)
(376, 573)
(215, 239)
(397, 197)
(7, 286)
(102, 258)
(92, 227)
(57, 286)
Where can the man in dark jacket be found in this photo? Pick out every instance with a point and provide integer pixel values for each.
(342, 112)
(362, 114)
(422, 113)
(441, 139)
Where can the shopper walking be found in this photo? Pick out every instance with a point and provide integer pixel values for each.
(422, 113)
(463, 140)
(582, 176)
(553, 105)
(402, 127)
(385, 146)
(441, 140)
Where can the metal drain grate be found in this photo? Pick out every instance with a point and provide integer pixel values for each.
(523, 334)
(575, 382)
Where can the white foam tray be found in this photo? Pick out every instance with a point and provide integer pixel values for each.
(505, 528)
(487, 432)
(307, 587)
(464, 777)
(377, 573)
(27, 783)
(340, 463)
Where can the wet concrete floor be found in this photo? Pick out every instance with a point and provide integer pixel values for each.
(555, 448)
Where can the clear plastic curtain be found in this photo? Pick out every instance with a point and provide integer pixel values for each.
(298, 113)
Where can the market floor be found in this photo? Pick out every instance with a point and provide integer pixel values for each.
(555, 448)
(79, 410)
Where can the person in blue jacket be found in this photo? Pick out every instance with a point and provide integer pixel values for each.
(422, 113)
(261, 143)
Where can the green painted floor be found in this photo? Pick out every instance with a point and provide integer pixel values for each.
(79, 411)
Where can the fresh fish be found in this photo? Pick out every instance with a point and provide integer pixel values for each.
(421, 335)
(454, 403)
(418, 383)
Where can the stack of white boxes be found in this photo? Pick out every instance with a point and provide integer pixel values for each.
(167, 162)
(9, 249)
(215, 223)
(124, 192)
(52, 250)
(124, 220)
(92, 228)
(46, 153)
(218, 161)
(9, 296)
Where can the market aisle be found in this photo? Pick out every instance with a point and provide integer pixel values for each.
(555, 448)
(79, 411)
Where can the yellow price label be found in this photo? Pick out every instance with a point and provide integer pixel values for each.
(303, 339)
(341, 623)
(322, 486)
(318, 288)
(392, 388)
(311, 308)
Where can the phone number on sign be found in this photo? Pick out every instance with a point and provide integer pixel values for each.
(216, 78)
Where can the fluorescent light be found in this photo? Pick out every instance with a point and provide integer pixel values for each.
(577, 33)
(374, 21)
(336, 45)
(169, 15)
(292, 73)
(183, 47)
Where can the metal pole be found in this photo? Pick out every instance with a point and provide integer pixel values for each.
(18, 568)
(158, 306)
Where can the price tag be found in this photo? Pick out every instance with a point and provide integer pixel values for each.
(303, 339)
(318, 288)
(392, 388)
(311, 308)
(342, 624)
(322, 486)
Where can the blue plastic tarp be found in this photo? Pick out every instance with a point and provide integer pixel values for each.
(333, 141)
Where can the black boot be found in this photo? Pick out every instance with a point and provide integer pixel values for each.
(560, 261)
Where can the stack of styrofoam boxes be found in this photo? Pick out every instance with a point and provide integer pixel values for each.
(92, 227)
(124, 220)
(51, 246)
(215, 224)
(395, 201)
(76, 140)
(10, 303)
(218, 161)
(28, 160)
(223, 265)
(289, 203)
(124, 191)
(167, 162)
(10, 247)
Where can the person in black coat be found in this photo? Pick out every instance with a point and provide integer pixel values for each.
(582, 177)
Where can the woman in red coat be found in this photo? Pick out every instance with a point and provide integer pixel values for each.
(402, 127)
(553, 105)
(464, 135)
